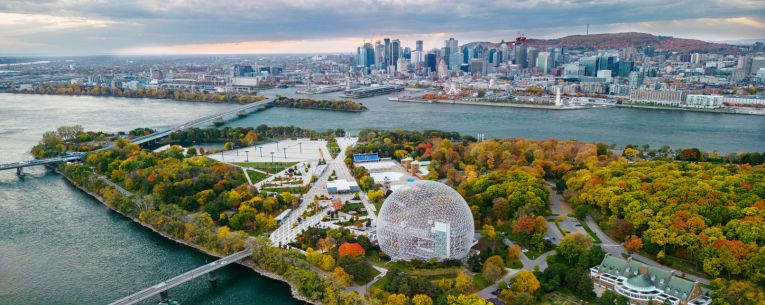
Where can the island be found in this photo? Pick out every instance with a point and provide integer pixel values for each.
(304, 103)
(552, 215)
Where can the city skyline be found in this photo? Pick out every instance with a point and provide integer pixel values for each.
(190, 27)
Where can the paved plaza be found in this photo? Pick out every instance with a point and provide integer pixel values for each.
(283, 151)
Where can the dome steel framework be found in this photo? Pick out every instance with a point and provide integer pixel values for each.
(425, 220)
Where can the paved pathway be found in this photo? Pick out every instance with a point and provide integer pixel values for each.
(616, 249)
(486, 292)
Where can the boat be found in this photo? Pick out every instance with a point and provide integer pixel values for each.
(218, 121)
(241, 113)
(283, 86)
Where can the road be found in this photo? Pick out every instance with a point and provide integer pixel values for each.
(185, 277)
(286, 233)
(486, 292)
(614, 248)
(559, 206)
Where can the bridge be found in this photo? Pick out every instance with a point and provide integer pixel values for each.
(147, 138)
(161, 288)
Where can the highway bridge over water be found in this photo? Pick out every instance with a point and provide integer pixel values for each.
(161, 288)
(252, 107)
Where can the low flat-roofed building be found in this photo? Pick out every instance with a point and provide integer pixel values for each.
(342, 186)
(645, 284)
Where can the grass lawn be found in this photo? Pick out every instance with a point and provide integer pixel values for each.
(589, 231)
(334, 149)
(272, 168)
(479, 282)
(532, 254)
(256, 176)
(561, 298)
(294, 190)
(677, 263)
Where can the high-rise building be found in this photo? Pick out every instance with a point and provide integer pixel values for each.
(635, 79)
(590, 65)
(395, 51)
(531, 57)
(573, 70)
(479, 67)
(430, 62)
(455, 61)
(756, 64)
(623, 68)
(418, 45)
(606, 62)
(452, 44)
(379, 54)
(386, 56)
(365, 56)
(696, 58)
(544, 62)
(520, 55)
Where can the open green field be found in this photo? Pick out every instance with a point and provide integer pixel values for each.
(256, 176)
(334, 149)
(272, 168)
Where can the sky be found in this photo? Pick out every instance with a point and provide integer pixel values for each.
(135, 27)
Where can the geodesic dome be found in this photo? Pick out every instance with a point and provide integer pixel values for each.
(424, 220)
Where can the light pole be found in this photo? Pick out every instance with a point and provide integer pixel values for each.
(272, 157)
(301, 146)
(261, 151)
(221, 155)
(285, 153)
(247, 154)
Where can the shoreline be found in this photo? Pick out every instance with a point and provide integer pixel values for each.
(247, 263)
(318, 108)
(719, 110)
(129, 97)
(455, 102)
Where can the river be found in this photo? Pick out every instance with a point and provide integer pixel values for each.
(708, 131)
(59, 246)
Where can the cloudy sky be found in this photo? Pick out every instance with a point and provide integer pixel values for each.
(87, 27)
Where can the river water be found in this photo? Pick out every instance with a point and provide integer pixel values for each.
(59, 246)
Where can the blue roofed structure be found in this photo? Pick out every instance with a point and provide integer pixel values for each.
(371, 157)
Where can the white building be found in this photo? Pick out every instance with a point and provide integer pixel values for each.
(703, 101)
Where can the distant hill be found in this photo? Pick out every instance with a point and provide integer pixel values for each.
(623, 40)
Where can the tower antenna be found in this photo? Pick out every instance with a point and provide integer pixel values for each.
(588, 29)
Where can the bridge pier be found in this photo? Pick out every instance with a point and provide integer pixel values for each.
(164, 297)
(212, 277)
(19, 171)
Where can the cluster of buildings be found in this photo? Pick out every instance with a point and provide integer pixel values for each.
(637, 75)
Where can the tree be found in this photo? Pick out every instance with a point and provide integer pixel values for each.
(228, 146)
(525, 281)
(514, 252)
(397, 299)
(463, 282)
(342, 278)
(421, 299)
(466, 300)
(621, 228)
(633, 244)
(737, 293)
(573, 245)
(500, 208)
(630, 152)
(352, 249)
(325, 244)
(488, 232)
(493, 268)
(540, 225)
